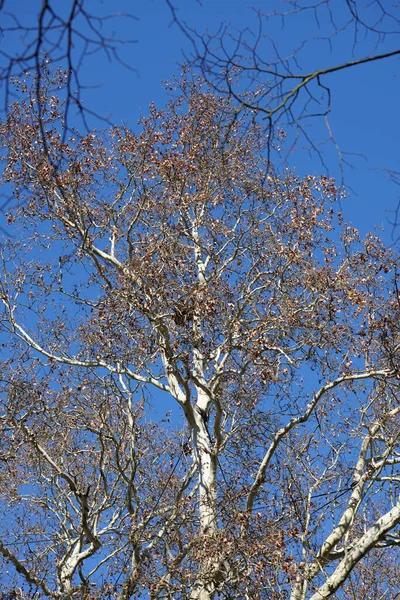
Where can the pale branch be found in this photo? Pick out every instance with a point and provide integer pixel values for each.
(29, 576)
(176, 386)
(360, 478)
(75, 362)
(366, 472)
(81, 497)
(107, 558)
(282, 433)
(138, 555)
(358, 550)
(63, 474)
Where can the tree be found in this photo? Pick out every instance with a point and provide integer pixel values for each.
(175, 264)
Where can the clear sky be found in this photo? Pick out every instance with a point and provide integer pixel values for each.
(365, 99)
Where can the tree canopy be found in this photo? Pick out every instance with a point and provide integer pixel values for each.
(176, 267)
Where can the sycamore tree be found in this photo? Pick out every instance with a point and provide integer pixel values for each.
(174, 267)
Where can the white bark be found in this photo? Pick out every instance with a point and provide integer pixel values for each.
(204, 587)
(283, 432)
(327, 553)
(359, 549)
(30, 577)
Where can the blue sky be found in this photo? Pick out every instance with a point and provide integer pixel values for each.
(364, 116)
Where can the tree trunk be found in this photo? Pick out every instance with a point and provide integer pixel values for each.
(204, 586)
